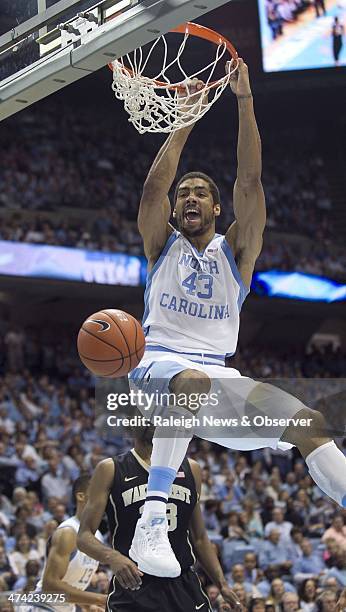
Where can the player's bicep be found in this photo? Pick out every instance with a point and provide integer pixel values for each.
(250, 213)
(245, 235)
(98, 492)
(63, 544)
(153, 222)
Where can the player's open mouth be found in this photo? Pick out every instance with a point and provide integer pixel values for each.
(192, 215)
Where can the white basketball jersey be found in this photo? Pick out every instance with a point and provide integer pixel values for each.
(80, 570)
(193, 300)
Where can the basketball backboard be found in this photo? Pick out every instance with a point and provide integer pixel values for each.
(49, 44)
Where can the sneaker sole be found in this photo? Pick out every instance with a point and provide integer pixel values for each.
(147, 569)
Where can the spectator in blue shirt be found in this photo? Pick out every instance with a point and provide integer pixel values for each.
(294, 551)
(252, 571)
(237, 576)
(290, 484)
(274, 553)
(230, 492)
(264, 585)
(310, 565)
(209, 514)
(28, 473)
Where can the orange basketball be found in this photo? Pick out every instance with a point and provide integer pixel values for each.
(111, 343)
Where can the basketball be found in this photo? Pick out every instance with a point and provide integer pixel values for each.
(111, 343)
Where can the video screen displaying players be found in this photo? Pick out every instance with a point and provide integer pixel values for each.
(302, 34)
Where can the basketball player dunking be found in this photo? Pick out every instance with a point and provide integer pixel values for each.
(119, 487)
(197, 283)
(67, 570)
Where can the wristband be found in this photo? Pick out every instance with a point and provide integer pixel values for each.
(245, 96)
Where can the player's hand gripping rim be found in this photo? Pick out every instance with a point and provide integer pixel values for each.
(192, 96)
(239, 80)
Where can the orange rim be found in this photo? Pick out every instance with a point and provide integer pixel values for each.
(201, 32)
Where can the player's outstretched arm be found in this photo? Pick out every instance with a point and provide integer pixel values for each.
(205, 551)
(126, 572)
(64, 542)
(155, 210)
(245, 235)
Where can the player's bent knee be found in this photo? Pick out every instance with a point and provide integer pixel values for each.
(191, 381)
(313, 427)
(191, 384)
(318, 426)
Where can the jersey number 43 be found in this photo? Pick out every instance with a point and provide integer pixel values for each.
(205, 282)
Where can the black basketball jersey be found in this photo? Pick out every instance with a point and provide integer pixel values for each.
(126, 502)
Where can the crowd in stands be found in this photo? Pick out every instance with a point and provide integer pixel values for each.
(70, 160)
(281, 542)
(44, 351)
(320, 258)
(111, 233)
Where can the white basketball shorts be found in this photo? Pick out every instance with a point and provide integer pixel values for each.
(240, 413)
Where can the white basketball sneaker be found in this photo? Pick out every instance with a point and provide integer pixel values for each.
(151, 548)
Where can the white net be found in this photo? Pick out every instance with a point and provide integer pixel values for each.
(156, 104)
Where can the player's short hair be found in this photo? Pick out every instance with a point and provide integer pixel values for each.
(80, 485)
(214, 190)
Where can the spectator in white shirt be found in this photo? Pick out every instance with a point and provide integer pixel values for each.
(23, 552)
(5, 422)
(278, 522)
(54, 482)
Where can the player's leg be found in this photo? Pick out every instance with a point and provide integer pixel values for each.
(248, 398)
(186, 594)
(151, 596)
(326, 463)
(169, 451)
(150, 547)
(183, 594)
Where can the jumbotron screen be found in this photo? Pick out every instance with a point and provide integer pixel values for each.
(302, 34)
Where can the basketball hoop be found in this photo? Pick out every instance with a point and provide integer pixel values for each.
(160, 104)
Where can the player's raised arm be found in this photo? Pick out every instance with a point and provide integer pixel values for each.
(63, 545)
(126, 572)
(205, 551)
(155, 210)
(245, 234)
